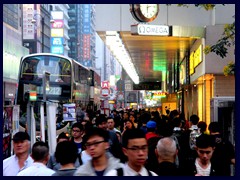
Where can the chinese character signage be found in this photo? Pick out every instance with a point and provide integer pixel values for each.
(57, 33)
(57, 41)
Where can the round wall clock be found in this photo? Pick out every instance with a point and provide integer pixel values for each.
(144, 12)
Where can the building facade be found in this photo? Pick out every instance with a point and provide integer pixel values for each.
(12, 50)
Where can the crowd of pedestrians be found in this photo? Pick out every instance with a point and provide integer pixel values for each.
(127, 143)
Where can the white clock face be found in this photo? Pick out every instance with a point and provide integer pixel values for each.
(149, 10)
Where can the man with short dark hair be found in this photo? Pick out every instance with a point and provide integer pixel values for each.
(188, 141)
(202, 165)
(40, 155)
(224, 153)
(21, 159)
(77, 132)
(111, 125)
(101, 122)
(66, 154)
(136, 149)
(97, 143)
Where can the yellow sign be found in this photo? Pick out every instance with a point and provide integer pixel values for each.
(195, 59)
(56, 32)
(191, 63)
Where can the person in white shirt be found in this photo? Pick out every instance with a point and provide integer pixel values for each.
(21, 159)
(136, 149)
(40, 155)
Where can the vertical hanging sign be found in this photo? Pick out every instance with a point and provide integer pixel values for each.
(57, 33)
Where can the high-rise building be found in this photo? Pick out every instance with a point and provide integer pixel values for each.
(36, 27)
(82, 33)
(74, 41)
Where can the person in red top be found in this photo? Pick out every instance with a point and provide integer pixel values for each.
(151, 130)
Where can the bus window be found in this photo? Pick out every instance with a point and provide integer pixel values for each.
(67, 76)
(29, 69)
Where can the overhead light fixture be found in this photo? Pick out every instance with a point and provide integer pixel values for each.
(116, 46)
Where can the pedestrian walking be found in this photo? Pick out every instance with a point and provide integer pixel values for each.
(97, 144)
(224, 153)
(21, 158)
(201, 165)
(166, 152)
(136, 149)
(66, 154)
(40, 155)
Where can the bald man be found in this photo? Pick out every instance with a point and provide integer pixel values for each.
(166, 152)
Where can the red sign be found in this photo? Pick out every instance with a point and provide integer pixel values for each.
(57, 24)
(105, 85)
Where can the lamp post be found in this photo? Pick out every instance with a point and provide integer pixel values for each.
(42, 24)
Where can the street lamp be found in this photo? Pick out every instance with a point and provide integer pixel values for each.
(42, 24)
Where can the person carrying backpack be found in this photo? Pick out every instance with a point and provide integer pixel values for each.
(194, 119)
(188, 152)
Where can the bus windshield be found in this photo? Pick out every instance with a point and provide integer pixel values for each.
(34, 67)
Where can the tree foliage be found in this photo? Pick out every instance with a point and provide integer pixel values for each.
(227, 40)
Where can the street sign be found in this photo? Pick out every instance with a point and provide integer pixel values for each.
(105, 92)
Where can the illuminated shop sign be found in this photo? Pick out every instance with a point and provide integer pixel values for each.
(57, 24)
(195, 59)
(57, 41)
(57, 49)
(57, 32)
(146, 29)
(57, 14)
(155, 95)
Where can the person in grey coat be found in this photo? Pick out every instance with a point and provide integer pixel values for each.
(102, 161)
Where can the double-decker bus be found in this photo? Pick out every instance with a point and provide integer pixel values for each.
(68, 82)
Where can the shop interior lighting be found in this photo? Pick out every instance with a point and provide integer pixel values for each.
(116, 46)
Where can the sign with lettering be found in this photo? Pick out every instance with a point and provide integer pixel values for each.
(57, 32)
(57, 24)
(57, 49)
(148, 86)
(57, 41)
(195, 59)
(154, 30)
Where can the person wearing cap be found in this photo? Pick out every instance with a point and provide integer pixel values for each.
(21, 158)
(151, 128)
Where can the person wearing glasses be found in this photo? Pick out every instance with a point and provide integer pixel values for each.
(77, 133)
(97, 143)
(135, 147)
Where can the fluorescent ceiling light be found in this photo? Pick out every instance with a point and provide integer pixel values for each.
(116, 46)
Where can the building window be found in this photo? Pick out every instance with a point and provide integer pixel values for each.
(10, 14)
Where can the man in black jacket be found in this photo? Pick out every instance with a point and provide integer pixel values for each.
(224, 154)
(202, 165)
(166, 152)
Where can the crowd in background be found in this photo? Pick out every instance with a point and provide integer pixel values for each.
(127, 143)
